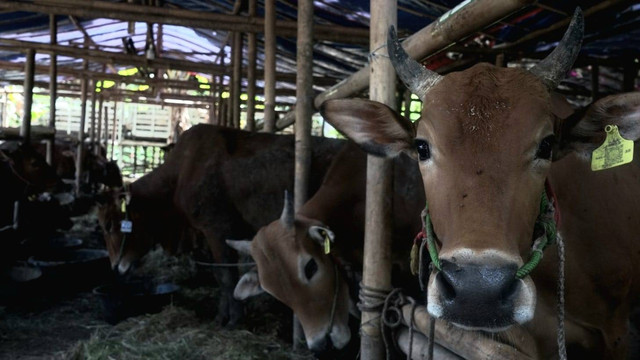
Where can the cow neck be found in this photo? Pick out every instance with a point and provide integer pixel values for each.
(548, 220)
(125, 211)
(11, 165)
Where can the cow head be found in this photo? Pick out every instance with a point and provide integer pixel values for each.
(485, 142)
(292, 267)
(124, 248)
(32, 167)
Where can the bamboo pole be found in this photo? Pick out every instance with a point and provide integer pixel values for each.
(94, 100)
(108, 57)
(304, 104)
(53, 87)
(304, 112)
(106, 127)
(181, 17)
(98, 143)
(114, 128)
(454, 25)
(236, 79)
(83, 112)
(212, 92)
(25, 128)
(68, 71)
(269, 66)
(377, 245)
(251, 72)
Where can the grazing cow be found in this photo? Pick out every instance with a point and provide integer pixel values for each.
(223, 183)
(24, 174)
(293, 267)
(487, 141)
(96, 168)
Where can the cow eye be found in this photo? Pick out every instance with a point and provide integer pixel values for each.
(423, 149)
(310, 269)
(545, 149)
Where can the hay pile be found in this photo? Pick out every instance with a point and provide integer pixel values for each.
(176, 333)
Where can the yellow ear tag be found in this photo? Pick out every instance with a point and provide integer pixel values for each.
(123, 206)
(615, 151)
(327, 244)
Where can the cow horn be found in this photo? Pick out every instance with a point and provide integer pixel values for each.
(552, 69)
(287, 211)
(416, 77)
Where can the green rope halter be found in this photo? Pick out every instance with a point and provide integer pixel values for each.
(545, 221)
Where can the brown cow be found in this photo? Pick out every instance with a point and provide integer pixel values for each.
(486, 141)
(291, 263)
(97, 169)
(224, 183)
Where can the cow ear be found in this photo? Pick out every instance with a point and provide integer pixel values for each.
(321, 233)
(248, 286)
(241, 246)
(584, 131)
(377, 128)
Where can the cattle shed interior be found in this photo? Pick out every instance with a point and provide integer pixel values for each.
(105, 88)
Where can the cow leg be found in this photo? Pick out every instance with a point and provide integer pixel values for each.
(230, 310)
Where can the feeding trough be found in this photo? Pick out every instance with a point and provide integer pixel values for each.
(120, 301)
(72, 268)
(64, 242)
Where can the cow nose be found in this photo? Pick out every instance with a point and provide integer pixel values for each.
(318, 345)
(477, 295)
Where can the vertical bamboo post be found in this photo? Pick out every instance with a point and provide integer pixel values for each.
(269, 66)
(106, 128)
(212, 107)
(29, 71)
(114, 128)
(251, 71)
(98, 143)
(53, 88)
(236, 79)
(83, 112)
(94, 99)
(377, 244)
(220, 120)
(304, 113)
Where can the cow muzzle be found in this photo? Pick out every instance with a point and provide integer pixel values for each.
(481, 295)
(337, 338)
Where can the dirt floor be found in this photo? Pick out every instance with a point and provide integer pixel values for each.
(65, 321)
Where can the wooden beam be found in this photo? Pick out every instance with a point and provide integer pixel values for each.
(187, 18)
(269, 65)
(454, 25)
(106, 57)
(376, 272)
(136, 79)
(25, 129)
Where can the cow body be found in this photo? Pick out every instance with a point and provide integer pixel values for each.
(487, 141)
(600, 229)
(291, 261)
(96, 168)
(222, 183)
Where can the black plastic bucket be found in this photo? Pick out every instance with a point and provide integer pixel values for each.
(120, 301)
